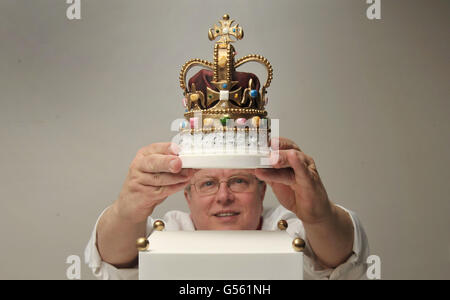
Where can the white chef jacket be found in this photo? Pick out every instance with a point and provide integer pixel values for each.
(354, 268)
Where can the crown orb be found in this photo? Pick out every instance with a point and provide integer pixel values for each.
(282, 224)
(158, 225)
(298, 244)
(142, 244)
(226, 17)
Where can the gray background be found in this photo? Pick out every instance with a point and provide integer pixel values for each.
(369, 100)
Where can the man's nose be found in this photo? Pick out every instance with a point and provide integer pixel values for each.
(224, 194)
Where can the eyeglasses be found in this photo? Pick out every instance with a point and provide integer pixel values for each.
(237, 184)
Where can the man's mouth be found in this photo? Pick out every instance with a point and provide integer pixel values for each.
(226, 214)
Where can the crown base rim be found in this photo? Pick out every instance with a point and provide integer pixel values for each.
(225, 161)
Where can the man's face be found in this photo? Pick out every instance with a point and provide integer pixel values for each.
(225, 209)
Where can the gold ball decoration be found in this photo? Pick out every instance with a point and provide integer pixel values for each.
(158, 225)
(298, 244)
(210, 35)
(194, 97)
(208, 122)
(142, 244)
(255, 121)
(282, 224)
(226, 17)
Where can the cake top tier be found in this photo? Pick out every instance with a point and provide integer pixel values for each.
(218, 89)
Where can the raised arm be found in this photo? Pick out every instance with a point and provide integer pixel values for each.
(154, 174)
(298, 187)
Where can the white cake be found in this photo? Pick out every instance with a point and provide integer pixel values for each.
(226, 124)
(220, 255)
(225, 147)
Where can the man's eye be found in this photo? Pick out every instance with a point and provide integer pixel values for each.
(239, 180)
(207, 183)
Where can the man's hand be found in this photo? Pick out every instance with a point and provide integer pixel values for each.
(296, 183)
(154, 174)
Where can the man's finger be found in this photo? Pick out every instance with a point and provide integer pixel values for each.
(156, 163)
(281, 143)
(160, 148)
(290, 159)
(285, 176)
(163, 179)
(160, 192)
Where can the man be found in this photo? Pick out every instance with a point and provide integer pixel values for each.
(226, 199)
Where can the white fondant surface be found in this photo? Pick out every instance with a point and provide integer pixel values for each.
(223, 241)
(225, 161)
(220, 255)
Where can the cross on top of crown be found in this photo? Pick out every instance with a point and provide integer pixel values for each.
(225, 30)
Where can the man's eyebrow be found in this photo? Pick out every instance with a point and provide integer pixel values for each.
(231, 175)
(240, 173)
(206, 177)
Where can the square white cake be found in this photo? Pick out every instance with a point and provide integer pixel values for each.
(220, 255)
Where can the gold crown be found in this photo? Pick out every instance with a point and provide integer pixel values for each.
(224, 95)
